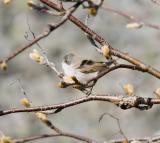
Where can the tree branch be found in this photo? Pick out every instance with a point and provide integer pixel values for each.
(99, 39)
(45, 33)
(121, 101)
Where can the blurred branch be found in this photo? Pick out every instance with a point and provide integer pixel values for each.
(131, 18)
(99, 39)
(156, 2)
(121, 101)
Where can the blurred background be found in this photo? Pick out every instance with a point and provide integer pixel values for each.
(40, 83)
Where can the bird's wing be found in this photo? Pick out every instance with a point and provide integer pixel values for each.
(89, 66)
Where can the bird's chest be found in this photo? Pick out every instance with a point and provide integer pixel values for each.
(69, 70)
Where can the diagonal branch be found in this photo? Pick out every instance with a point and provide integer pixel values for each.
(99, 39)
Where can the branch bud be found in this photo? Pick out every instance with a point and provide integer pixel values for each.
(25, 102)
(105, 51)
(42, 117)
(6, 139)
(3, 66)
(36, 56)
(128, 89)
(6, 2)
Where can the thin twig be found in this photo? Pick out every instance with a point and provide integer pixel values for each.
(118, 123)
(131, 18)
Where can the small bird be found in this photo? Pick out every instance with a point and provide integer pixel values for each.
(82, 69)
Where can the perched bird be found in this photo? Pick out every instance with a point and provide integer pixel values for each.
(82, 69)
